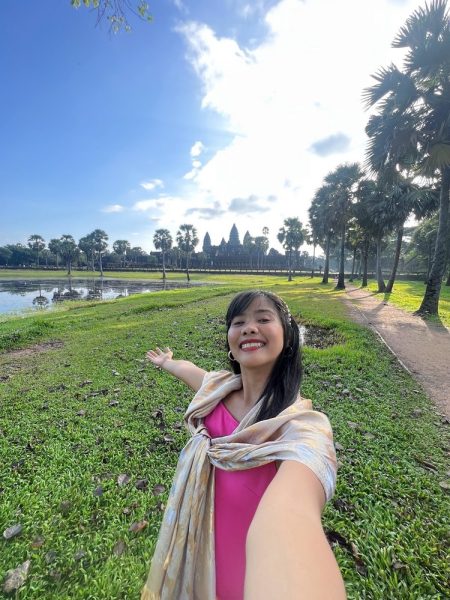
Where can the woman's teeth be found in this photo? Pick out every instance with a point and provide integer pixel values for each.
(252, 345)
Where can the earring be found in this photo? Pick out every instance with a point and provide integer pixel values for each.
(231, 357)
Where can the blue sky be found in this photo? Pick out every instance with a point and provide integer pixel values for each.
(218, 112)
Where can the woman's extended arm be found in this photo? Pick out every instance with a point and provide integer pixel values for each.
(288, 555)
(189, 373)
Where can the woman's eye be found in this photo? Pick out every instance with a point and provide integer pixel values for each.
(264, 320)
(238, 323)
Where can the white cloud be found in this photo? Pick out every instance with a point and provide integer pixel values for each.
(151, 185)
(113, 208)
(197, 149)
(144, 205)
(301, 85)
(191, 174)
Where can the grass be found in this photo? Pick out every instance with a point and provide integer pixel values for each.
(77, 415)
(408, 295)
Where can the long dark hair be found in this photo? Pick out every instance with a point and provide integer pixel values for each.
(283, 383)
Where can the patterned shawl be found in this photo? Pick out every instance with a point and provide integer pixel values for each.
(183, 565)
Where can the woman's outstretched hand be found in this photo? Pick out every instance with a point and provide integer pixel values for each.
(158, 357)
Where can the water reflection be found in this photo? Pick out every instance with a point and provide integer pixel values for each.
(16, 295)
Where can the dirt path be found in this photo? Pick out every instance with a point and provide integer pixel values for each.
(422, 348)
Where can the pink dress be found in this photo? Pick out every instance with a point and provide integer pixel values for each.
(236, 498)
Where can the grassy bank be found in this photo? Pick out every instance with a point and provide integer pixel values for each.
(80, 408)
(408, 296)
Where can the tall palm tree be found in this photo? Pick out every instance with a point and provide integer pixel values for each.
(100, 244)
(37, 243)
(364, 222)
(291, 236)
(261, 246)
(121, 248)
(411, 130)
(162, 240)
(86, 245)
(68, 249)
(187, 240)
(342, 183)
(322, 223)
(54, 246)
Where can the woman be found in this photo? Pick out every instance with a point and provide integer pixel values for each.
(244, 512)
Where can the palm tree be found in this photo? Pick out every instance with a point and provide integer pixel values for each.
(99, 244)
(341, 184)
(86, 245)
(322, 223)
(69, 250)
(122, 247)
(291, 236)
(411, 130)
(162, 240)
(249, 245)
(187, 240)
(261, 246)
(54, 246)
(37, 243)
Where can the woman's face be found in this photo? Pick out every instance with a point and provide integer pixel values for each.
(256, 336)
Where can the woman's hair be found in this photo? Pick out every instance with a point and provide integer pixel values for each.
(283, 384)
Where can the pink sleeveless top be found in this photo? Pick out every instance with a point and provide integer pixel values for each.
(236, 498)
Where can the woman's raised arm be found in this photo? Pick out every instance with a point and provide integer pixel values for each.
(288, 555)
(189, 373)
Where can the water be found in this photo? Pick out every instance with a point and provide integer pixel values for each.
(39, 294)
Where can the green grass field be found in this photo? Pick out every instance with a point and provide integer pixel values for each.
(408, 296)
(80, 407)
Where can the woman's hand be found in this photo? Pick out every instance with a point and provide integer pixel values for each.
(158, 357)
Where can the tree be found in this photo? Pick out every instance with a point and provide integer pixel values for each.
(116, 11)
(342, 183)
(249, 245)
(321, 219)
(86, 245)
(68, 249)
(162, 240)
(291, 237)
(261, 246)
(99, 244)
(121, 247)
(411, 130)
(5, 255)
(187, 240)
(37, 243)
(54, 246)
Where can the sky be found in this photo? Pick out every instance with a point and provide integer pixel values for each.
(218, 112)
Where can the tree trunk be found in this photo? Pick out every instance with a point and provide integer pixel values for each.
(430, 302)
(448, 279)
(390, 283)
(381, 284)
(326, 268)
(365, 258)
(314, 259)
(289, 265)
(353, 264)
(100, 263)
(341, 281)
(187, 267)
(164, 264)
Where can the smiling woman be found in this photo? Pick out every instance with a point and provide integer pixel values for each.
(255, 475)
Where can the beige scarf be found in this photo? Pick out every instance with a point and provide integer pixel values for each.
(183, 565)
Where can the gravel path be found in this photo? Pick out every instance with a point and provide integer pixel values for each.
(422, 348)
